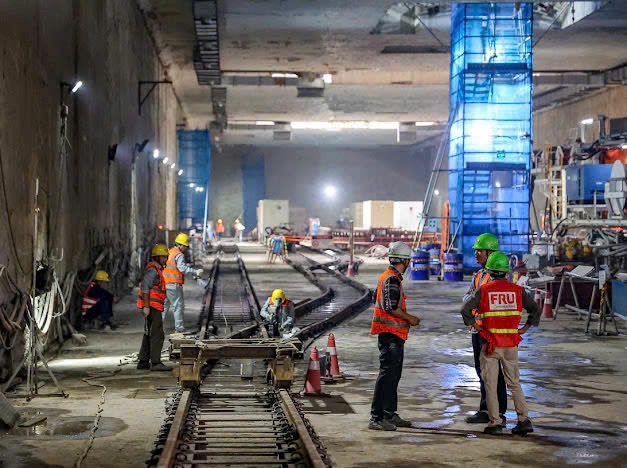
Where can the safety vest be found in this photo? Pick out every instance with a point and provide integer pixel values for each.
(220, 227)
(171, 273)
(480, 279)
(88, 302)
(156, 295)
(500, 310)
(382, 321)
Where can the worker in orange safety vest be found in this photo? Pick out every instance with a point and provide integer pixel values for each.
(151, 302)
(499, 305)
(391, 323)
(484, 245)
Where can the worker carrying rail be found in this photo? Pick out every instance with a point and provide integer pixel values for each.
(484, 245)
(499, 305)
(151, 302)
(391, 323)
(278, 311)
(174, 276)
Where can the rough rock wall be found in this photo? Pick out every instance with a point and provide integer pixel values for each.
(84, 198)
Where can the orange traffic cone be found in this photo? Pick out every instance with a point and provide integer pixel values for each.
(537, 297)
(334, 370)
(312, 381)
(547, 311)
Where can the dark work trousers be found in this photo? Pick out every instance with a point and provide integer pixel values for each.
(102, 311)
(501, 387)
(152, 341)
(385, 398)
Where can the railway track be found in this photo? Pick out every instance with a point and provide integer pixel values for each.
(236, 417)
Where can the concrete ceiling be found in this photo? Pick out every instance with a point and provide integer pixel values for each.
(326, 36)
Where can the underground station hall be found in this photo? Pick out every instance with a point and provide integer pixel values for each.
(313, 233)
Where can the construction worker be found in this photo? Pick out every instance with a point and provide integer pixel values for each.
(174, 276)
(484, 245)
(499, 305)
(98, 301)
(151, 302)
(219, 229)
(391, 322)
(278, 311)
(239, 230)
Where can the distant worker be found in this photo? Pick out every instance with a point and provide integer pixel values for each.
(391, 322)
(174, 276)
(278, 311)
(484, 245)
(210, 231)
(239, 230)
(219, 229)
(277, 247)
(499, 304)
(98, 302)
(151, 302)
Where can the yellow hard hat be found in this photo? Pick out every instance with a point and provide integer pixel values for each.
(182, 239)
(219, 220)
(160, 250)
(102, 275)
(278, 294)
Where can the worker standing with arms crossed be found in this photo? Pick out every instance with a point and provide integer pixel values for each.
(499, 305)
(484, 245)
(151, 301)
(174, 276)
(391, 323)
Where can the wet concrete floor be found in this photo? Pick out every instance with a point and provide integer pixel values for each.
(575, 386)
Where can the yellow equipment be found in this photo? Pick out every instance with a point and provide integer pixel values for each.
(182, 239)
(160, 250)
(102, 275)
(278, 294)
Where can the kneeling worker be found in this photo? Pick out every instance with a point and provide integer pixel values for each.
(151, 302)
(499, 305)
(98, 301)
(391, 322)
(279, 312)
(174, 276)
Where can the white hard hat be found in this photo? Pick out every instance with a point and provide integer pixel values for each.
(399, 250)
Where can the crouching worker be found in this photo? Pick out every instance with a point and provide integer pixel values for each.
(499, 305)
(151, 301)
(278, 311)
(98, 302)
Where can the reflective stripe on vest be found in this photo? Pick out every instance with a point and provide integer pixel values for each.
(88, 302)
(506, 331)
(171, 273)
(384, 322)
(156, 295)
(507, 313)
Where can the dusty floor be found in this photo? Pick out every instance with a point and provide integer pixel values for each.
(575, 386)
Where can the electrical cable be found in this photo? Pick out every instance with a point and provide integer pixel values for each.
(9, 223)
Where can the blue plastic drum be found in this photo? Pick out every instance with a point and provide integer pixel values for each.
(453, 267)
(419, 269)
(434, 262)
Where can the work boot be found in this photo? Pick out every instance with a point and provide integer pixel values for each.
(503, 420)
(480, 417)
(523, 427)
(143, 365)
(398, 421)
(495, 429)
(381, 425)
(160, 367)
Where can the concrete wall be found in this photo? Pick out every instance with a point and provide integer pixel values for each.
(226, 197)
(84, 199)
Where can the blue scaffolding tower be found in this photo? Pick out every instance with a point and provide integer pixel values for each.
(193, 185)
(490, 134)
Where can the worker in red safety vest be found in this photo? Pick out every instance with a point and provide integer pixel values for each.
(499, 306)
(484, 245)
(98, 302)
(151, 301)
(391, 323)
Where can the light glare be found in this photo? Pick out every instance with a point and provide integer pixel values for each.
(330, 191)
(77, 86)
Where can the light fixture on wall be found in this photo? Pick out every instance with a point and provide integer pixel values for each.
(72, 88)
(155, 153)
(165, 160)
(180, 172)
(330, 191)
(589, 121)
(436, 192)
